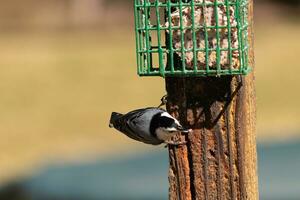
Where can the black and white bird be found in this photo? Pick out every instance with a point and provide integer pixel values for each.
(149, 125)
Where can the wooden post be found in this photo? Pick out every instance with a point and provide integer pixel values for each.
(219, 160)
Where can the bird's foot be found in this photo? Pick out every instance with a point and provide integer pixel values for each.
(174, 143)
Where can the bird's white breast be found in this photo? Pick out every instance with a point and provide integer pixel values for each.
(163, 134)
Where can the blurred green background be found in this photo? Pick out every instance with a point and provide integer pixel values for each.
(66, 64)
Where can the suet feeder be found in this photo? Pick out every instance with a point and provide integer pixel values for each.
(191, 37)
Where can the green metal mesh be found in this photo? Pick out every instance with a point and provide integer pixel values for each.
(191, 37)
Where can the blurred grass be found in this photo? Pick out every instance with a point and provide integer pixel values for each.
(57, 93)
(277, 78)
(59, 88)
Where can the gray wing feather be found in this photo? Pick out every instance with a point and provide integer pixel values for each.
(136, 125)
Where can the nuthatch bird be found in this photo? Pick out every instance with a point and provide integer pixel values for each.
(149, 125)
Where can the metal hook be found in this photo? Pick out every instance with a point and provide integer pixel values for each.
(163, 100)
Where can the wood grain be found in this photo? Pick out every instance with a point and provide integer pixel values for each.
(218, 161)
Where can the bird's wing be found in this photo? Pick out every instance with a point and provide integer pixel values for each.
(125, 124)
(132, 122)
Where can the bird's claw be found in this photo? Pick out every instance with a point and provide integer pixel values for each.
(174, 143)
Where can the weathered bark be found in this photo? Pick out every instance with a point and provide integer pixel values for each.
(219, 160)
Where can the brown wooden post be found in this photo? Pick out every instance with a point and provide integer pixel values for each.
(219, 160)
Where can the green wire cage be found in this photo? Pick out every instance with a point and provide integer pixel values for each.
(191, 37)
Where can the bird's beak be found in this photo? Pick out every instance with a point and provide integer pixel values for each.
(181, 129)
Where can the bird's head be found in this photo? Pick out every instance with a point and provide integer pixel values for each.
(165, 126)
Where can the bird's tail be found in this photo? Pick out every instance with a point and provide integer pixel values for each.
(114, 116)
